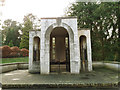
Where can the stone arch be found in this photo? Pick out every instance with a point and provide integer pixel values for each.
(83, 36)
(51, 27)
(47, 40)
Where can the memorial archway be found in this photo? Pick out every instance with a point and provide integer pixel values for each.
(47, 44)
(58, 52)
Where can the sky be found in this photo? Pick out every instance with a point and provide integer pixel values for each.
(17, 9)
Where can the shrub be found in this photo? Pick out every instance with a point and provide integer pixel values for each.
(15, 49)
(24, 52)
(15, 52)
(6, 50)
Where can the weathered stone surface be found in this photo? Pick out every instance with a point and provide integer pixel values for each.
(101, 77)
(34, 67)
(47, 25)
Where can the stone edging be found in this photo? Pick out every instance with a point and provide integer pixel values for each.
(14, 66)
(92, 85)
(112, 66)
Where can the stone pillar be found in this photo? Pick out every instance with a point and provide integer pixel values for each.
(75, 54)
(30, 51)
(89, 56)
(45, 58)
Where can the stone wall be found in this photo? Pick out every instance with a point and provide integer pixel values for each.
(12, 66)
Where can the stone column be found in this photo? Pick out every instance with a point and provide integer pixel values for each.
(75, 57)
(45, 59)
(30, 51)
(89, 52)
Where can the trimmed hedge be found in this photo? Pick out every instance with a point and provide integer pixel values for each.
(15, 49)
(8, 52)
(24, 52)
(15, 52)
(0, 52)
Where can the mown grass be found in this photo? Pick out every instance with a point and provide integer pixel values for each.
(14, 60)
(26, 59)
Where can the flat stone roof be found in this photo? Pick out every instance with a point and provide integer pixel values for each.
(69, 17)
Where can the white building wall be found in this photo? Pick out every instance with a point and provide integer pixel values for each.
(47, 25)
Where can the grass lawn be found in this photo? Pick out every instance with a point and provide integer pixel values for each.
(14, 60)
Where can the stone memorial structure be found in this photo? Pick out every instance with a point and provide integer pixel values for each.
(59, 47)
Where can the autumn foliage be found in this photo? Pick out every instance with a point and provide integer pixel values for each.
(8, 52)
(24, 52)
(15, 52)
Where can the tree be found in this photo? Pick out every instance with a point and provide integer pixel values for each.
(118, 22)
(102, 21)
(10, 43)
(25, 34)
(31, 22)
(10, 33)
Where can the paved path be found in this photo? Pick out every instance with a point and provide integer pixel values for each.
(99, 77)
